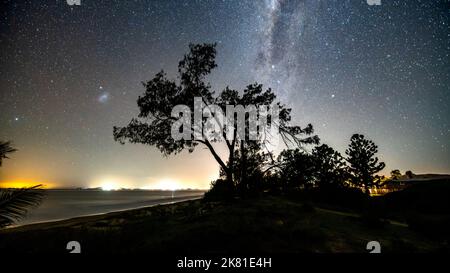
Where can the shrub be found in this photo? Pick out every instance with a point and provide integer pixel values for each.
(220, 190)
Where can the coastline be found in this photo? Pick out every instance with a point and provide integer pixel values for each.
(97, 216)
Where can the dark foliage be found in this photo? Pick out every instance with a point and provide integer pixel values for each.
(14, 203)
(329, 167)
(409, 174)
(220, 190)
(395, 174)
(363, 164)
(296, 169)
(5, 149)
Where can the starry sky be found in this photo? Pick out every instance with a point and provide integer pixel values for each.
(68, 74)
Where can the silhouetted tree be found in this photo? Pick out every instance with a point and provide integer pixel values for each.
(296, 168)
(329, 167)
(249, 162)
(14, 203)
(395, 174)
(363, 164)
(409, 174)
(154, 122)
(5, 149)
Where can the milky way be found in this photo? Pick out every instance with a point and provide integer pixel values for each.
(68, 74)
(349, 67)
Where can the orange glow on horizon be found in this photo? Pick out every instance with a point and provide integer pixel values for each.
(24, 184)
(111, 183)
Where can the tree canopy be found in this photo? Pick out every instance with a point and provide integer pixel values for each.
(363, 164)
(155, 120)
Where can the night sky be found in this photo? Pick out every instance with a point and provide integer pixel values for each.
(68, 74)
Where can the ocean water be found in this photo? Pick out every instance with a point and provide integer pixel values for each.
(65, 204)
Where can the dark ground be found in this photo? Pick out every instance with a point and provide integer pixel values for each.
(260, 225)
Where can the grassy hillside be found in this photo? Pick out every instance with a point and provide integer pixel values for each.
(264, 225)
(424, 206)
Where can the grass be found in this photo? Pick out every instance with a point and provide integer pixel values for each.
(263, 225)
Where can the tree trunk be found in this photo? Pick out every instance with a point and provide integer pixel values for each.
(243, 165)
(230, 176)
(230, 169)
